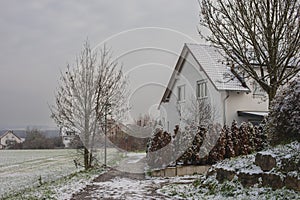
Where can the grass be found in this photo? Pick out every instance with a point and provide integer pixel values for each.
(62, 188)
(24, 171)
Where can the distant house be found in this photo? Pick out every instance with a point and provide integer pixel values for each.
(8, 139)
(67, 136)
(202, 74)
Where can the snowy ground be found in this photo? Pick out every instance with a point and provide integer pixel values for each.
(124, 184)
(25, 170)
(210, 188)
(20, 169)
(128, 187)
(119, 183)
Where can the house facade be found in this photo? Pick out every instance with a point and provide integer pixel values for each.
(201, 74)
(8, 139)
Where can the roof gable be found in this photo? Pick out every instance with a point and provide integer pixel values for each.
(210, 60)
(9, 132)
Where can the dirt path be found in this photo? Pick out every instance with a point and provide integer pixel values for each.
(121, 183)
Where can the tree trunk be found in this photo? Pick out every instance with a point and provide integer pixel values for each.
(87, 163)
(90, 159)
(271, 94)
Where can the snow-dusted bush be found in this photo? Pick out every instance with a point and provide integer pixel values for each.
(159, 140)
(214, 142)
(284, 117)
(237, 140)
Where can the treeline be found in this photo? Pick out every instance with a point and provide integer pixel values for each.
(35, 139)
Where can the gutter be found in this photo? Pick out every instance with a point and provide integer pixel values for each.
(224, 107)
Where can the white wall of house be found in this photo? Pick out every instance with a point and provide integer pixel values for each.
(242, 101)
(225, 103)
(191, 73)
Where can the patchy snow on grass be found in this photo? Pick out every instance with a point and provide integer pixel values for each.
(210, 188)
(284, 151)
(41, 174)
(29, 168)
(61, 189)
(236, 163)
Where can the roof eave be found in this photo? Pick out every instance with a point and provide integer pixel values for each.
(172, 80)
(235, 90)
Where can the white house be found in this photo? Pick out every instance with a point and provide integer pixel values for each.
(67, 136)
(202, 73)
(8, 139)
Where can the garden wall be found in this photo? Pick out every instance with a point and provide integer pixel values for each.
(180, 171)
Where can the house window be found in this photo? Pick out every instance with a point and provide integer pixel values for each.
(201, 89)
(181, 93)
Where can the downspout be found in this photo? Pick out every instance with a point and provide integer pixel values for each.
(224, 107)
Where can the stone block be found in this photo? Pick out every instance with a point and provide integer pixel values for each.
(181, 171)
(190, 170)
(170, 172)
(224, 174)
(265, 161)
(292, 182)
(156, 173)
(248, 179)
(272, 180)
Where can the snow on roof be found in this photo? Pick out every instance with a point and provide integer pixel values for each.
(210, 59)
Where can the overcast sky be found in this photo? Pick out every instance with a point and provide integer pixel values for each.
(39, 37)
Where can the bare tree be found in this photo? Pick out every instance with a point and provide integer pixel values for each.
(262, 37)
(199, 112)
(84, 93)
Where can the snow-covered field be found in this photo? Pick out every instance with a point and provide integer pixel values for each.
(23, 169)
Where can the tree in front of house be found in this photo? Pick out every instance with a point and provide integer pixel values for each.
(89, 89)
(261, 37)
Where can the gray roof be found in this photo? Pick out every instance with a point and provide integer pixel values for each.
(210, 59)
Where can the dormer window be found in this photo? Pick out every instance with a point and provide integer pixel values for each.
(201, 89)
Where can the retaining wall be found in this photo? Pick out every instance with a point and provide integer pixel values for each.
(180, 171)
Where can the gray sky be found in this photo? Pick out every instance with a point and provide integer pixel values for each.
(38, 38)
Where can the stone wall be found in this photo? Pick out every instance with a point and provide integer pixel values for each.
(273, 171)
(180, 171)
